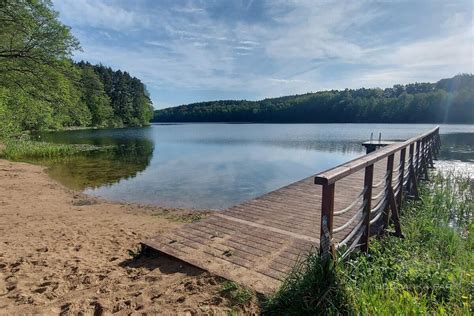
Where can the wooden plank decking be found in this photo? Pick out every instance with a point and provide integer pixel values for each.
(258, 242)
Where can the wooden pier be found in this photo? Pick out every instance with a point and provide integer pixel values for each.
(258, 242)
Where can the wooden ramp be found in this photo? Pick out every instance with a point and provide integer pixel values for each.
(258, 242)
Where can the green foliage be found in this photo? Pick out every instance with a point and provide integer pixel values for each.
(95, 98)
(447, 101)
(128, 101)
(136, 253)
(15, 149)
(41, 88)
(32, 40)
(313, 287)
(237, 294)
(35, 21)
(34, 68)
(8, 126)
(431, 270)
(191, 217)
(428, 272)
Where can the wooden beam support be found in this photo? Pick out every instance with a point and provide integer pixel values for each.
(414, 183)
(395, 215)
(327, 212)
(417, 162)
(389, 174)
(368, 182)
(424, 161)
(401, 173)
(435, 148)
(430, 153)
(409, 187)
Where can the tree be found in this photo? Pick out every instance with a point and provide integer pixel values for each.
(40, 86)
(32, 41)
(34, 67)
(93, 95)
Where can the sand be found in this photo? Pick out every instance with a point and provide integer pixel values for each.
(62, 252)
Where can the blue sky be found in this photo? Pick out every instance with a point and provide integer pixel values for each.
(190, 51)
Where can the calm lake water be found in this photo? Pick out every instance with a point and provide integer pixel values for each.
(218, 165)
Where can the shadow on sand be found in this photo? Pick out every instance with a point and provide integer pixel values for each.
(151, 259)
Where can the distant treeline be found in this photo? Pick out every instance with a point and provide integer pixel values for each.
(446, 101)
(42, 88)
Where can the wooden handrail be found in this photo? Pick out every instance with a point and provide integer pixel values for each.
(422, 148)
(342, 171)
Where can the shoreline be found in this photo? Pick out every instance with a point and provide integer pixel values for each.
(65, 252)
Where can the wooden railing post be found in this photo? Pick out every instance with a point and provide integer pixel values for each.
(421, 163)
(438, 142)
(326, 247)
(430, 151)
(412, 174)
(424, 159)
(368, 182)
(401, 174)
(386, 215)
(411, 152)
(395, 217)
(417, 162)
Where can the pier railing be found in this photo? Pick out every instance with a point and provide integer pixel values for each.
(372, 212)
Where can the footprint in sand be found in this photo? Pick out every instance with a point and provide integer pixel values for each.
(40, 290)
(63, 309)
(3, 288)
(98, 309)
(7, 285)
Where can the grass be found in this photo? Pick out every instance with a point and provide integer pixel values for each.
(187, 217)
(313, 288)
(428, 272)
(17, 149)
(136, 253)
(235, 293)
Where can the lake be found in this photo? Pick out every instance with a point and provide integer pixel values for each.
(218, 165)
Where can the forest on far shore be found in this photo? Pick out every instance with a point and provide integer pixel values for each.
(446, 101)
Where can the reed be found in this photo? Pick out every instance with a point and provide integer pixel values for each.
(18, 149)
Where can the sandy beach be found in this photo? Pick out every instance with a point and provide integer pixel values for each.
(62, 252)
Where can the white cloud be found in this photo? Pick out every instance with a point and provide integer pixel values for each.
(286, 81)
(97, 13)
(292, 48)
(450, 51)
(251, 43)
(189, 8)
(244, 48)
(458, 20)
